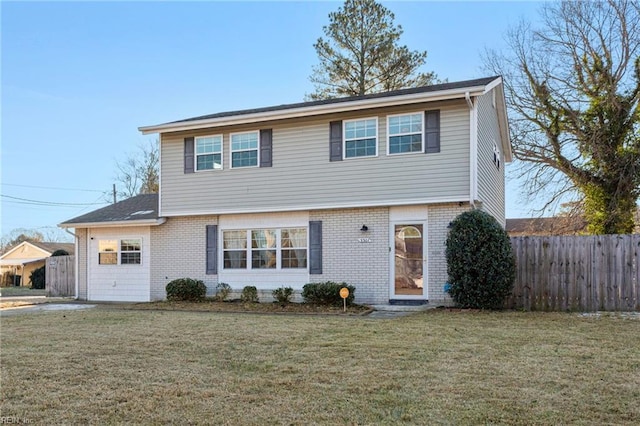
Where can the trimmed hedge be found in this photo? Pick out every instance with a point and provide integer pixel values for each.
(186, 289)
(37, 278)
(480, 263)
(249, 294)
(326, 293)
(282, 295)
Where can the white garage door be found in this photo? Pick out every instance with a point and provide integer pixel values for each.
(119, 269)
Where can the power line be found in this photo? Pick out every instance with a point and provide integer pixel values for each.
(47, 203)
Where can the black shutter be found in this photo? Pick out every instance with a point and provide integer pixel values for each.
(212, 249)
(432, 131)
(335, 141)
(188, 155)
(266, 143)
(315, 247)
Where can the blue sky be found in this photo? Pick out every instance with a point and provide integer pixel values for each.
(79, 78)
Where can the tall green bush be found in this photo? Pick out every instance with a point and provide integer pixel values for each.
(480, 263)
(186, 289)
(326, 293)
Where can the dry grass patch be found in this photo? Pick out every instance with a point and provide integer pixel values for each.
(160, 367)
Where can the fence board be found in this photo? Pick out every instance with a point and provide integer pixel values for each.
(579, 273)
(60, 276)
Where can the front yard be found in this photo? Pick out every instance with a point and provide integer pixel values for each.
(106, 366)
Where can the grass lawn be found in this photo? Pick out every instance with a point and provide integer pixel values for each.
(105, 366)
(20, 291)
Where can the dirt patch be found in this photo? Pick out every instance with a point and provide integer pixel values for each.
(238, 306)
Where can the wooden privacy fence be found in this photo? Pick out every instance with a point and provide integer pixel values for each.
(577, 273)
(60, 276)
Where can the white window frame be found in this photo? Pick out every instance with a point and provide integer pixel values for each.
(196, 155)
(389, 135)
(278, 249)
(345, 140)
(119, 251)
(232, 151)
(497, 155)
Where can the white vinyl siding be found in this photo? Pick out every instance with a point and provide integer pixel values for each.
(302, 177)
(490, 177)
(121, 281)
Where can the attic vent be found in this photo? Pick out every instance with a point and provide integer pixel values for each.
(142, 212)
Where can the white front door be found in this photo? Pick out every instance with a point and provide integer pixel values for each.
(409, 262)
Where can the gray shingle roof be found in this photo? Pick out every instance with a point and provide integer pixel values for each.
(53, 246)
(422, 89)
(140, 207)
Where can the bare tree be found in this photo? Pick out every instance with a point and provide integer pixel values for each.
(361, 54)
(138, 173)
(17, 236)
(573, 88)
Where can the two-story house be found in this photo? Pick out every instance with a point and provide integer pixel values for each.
(358, 189)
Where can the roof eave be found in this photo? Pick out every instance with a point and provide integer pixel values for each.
(115, 223)
(282, 114)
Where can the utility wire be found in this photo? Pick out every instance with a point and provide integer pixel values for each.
(48, 203)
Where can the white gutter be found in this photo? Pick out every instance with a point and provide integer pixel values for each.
(304, 111)
(473, 149)
(76, 241)
(118, 223)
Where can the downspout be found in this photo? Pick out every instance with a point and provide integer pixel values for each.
(473, 149)
(76, 263)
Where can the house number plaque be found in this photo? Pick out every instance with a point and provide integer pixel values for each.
(365, 240)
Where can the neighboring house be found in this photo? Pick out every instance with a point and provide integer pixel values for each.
(22, 259)
(538, 226)
(358, 189)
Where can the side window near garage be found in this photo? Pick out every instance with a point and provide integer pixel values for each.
(120, 252)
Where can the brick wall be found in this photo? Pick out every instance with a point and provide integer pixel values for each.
(439, 216)
(364, 265)
(178, 250)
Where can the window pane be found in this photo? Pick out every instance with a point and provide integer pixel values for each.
(235, 260)
(263, 239)
(108, 258)
(234, 239)
(130, 245)
(130, 258)
(108, 245)
(405, 124)
(244, 141)
(360, 148)
(294, 237)
(407, 143)
(263, 259)
(209, 162)
(244, 159)
(294, 258)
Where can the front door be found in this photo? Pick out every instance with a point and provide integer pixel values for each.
(409, 264)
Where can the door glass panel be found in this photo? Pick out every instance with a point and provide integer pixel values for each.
(408, 260)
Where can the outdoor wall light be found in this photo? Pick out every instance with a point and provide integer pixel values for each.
(364, 228)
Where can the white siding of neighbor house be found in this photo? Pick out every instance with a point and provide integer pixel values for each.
(490, 178)
(125, 283)
(302, 177)
(82, 255)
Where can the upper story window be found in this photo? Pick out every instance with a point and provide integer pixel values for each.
(244, 149)
(208, 152)
(496, 155)
(360, 138)
(405, 133)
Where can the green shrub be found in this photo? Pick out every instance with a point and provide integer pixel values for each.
(326, 293)
(249, 294)
(480, 263)
(223, 290)
(37, 278)
(282, 295)
(186, 289)
(60, 252)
